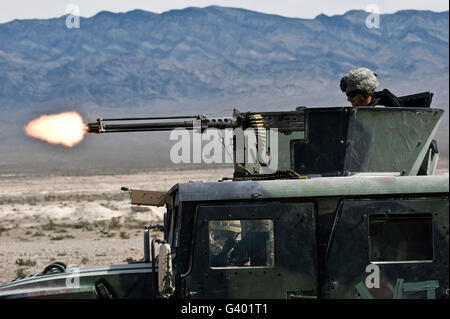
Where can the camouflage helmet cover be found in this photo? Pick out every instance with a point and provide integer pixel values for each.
(229, 225)
(361, 79)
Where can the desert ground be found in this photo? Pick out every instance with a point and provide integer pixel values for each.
(79, 220)
(82, 220)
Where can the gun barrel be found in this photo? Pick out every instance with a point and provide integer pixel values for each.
(199, 122)
(100, 127)
(152, 118)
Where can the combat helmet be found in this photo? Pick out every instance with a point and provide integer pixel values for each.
(227, 225)
(361, 79)
(220, 231)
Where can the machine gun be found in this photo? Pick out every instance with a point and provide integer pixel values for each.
(285, 122)
(248, 153)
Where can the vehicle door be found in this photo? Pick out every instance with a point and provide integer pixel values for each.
(389, 248)
(264, 250)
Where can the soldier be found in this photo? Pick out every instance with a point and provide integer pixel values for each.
(359, 85)
(241, 243)
(257, 245)
(224, 236)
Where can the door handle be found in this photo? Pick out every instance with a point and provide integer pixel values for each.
(301, 295)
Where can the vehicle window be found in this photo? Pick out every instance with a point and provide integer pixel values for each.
(241, 243)
(400, 238)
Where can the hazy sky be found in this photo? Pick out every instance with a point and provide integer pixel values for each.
(43, 9)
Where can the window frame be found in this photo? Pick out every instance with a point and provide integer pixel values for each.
(399, 216)
(250, 266)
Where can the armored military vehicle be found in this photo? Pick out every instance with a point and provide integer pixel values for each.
(343, 204)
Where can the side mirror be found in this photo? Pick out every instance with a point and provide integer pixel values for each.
(165, 273)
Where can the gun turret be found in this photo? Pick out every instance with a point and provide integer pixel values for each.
(331, 141)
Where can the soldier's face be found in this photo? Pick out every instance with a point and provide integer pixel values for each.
(223, 235)
(355, 99)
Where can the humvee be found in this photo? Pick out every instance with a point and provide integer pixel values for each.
(353, 209)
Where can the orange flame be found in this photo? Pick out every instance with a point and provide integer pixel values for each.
(65, 128)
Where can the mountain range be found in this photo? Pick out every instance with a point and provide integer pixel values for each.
(139, 57)
(210, 59)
